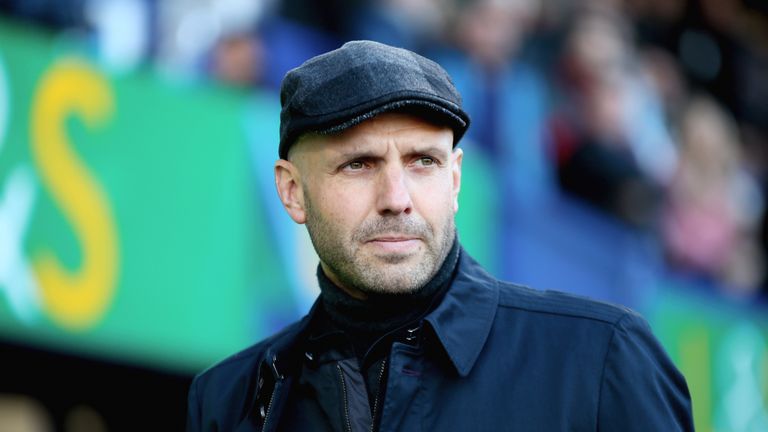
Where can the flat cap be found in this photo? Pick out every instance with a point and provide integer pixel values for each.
(343, 87)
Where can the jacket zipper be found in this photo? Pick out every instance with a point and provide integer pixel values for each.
(346, 402)
(269, 410)
(376, 399)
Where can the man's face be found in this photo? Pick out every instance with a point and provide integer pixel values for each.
(378, 199)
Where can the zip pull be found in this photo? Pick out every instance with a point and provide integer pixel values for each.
(412, 334)
(276, 373)
(264, 410)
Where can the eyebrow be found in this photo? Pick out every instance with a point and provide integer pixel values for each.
(428, 150)
(356, 154)
(368, 154)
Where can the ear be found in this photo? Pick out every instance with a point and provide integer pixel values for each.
(458, 157)
(288, 182)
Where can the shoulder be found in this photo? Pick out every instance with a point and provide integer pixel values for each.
(218, 395)
(243, 363)
(639, 387)
(529, 303)
(561, 304)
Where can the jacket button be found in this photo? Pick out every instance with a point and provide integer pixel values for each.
(311, 362)
(412, 334)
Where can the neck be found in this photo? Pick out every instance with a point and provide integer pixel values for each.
(324, 273)
(382, 312)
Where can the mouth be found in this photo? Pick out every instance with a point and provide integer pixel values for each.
(395, 243)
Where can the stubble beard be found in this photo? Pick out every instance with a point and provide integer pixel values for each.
(380, 274)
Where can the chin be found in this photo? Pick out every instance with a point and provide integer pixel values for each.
(400, 279)
(395, 287)
(396, 258)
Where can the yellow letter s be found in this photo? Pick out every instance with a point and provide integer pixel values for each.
(78, 299)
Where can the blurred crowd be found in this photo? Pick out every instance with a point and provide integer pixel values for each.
(651, 111)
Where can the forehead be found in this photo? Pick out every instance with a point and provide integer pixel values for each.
(402, 130)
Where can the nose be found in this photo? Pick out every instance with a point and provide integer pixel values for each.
(393, 195)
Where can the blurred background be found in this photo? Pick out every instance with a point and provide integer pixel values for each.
(619, 149)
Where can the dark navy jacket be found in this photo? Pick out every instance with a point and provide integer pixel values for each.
(491, 357)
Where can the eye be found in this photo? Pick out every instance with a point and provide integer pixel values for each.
(426, 161)
(355, 165)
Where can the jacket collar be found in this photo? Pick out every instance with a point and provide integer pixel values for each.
(463, 320)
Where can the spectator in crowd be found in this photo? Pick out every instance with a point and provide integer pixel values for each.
(713, 207)
(504, 93)
(238, 59)
(413, 24)
(610, 139)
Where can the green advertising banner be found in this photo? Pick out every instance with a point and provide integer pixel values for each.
(128, 224)
(722, 349)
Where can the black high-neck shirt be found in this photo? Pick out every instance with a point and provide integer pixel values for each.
(366, 321)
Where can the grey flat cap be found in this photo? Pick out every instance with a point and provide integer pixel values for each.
(341, 88)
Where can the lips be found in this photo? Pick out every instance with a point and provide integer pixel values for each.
(395, 244)
(393, 239)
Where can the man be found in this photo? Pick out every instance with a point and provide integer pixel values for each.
(409, 333)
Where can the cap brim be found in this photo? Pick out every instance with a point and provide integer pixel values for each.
(427, 110)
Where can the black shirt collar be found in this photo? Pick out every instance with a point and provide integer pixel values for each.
(365, 321)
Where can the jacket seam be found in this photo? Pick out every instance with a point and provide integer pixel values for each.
(620, 317)
(605, 364)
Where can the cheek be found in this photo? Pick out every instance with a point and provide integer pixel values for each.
(434, 200)
(343, 204)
